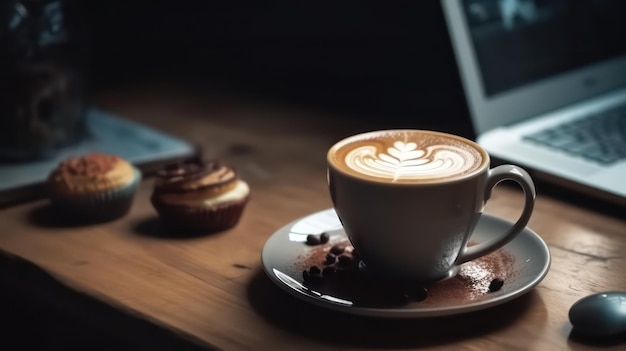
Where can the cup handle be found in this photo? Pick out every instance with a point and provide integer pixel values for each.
(496, 175)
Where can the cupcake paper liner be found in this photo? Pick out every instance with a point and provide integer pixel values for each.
(102, 205)
(200, 219)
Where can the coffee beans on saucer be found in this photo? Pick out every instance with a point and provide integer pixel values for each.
(332, 268)
(337, 249)
(316, 239)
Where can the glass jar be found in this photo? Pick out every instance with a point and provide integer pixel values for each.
(42, 65)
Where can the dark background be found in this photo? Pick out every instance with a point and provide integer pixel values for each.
(389, 64)
(379, 61)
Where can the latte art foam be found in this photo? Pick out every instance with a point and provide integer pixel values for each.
(405, 161)
(407, 156)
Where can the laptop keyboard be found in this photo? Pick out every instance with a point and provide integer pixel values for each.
(598, 137)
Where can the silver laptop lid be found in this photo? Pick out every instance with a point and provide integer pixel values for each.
(522, 58)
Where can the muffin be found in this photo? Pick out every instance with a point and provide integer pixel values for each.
(199, 196)
(96, 186)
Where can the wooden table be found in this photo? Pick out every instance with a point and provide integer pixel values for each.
(130, 277)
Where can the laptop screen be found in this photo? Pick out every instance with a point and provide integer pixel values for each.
(517, 42)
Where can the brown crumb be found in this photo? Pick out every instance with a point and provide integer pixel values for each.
(92, 165)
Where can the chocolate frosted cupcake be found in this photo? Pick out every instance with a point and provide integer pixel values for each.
(93, 187)
(200, 196)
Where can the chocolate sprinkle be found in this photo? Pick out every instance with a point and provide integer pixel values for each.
(314, 270)
(496, 284)
(330, 259)
(313, 239)
(337, 249)
(324, 238)
(344, 260)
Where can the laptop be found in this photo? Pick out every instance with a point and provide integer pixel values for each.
(545, 81)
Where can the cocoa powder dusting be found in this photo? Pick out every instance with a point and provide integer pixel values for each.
(349, 282)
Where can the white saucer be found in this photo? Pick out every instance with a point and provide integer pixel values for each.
(522, 264)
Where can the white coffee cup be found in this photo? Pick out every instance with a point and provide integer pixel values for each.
(409, 200)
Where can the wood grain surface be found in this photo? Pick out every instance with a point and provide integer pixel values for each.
(211, 291)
